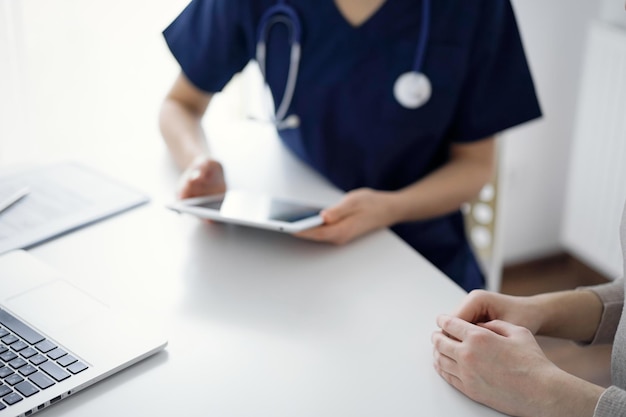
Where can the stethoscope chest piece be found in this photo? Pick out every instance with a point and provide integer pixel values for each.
(412, 89)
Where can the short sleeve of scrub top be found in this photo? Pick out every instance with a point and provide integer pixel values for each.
(208, 43)
(352, 129)
(498, 92)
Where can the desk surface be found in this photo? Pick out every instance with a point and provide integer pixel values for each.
(261, 323)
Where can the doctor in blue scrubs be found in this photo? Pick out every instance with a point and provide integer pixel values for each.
(394, 101)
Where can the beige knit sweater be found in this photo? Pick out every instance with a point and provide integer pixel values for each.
(612, 328)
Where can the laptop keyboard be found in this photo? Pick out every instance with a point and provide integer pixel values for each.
(30, 363)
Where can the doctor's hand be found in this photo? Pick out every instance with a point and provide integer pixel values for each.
(359, 212)
(204, 176)
(501, 365)
(481, 306)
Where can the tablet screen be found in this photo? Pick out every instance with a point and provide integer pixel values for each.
(270, 209)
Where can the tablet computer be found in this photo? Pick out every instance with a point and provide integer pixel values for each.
(250, 209)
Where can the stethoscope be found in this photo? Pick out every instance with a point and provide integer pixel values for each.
(412, 89)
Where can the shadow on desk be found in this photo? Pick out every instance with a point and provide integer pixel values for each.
(251, 291)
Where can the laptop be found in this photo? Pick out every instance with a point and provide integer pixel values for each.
(55, 339)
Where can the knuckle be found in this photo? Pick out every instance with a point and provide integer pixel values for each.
(478, 294)
(351, 201)
(466, 355)
(477, 340)
(446, 321)
(437, 342)
(524, 332)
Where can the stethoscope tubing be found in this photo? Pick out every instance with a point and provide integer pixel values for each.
(282, 13)
(420, 53)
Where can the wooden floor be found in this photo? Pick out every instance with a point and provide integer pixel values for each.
(553, 274)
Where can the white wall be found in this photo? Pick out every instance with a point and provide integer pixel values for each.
(614, 11)
(88, 70)
(12, 123)
(535, 157)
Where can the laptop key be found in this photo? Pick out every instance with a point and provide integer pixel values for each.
(4, 390)
(45, 346)
(54, 371)
(38, 359)
(66, 360)
(26, 388)
(28, 352)
(3, 332)
(41, 380)
(8, 339)
(12, 398)
(77, 367)
(3, 349)
(27, 370)
(19, 345)
(5, 371)
(8, 356)
(56, 353)
(2, 406)
(17, 363)
(20, 328)
(13, 379)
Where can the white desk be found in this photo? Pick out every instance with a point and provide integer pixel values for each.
(260, 323)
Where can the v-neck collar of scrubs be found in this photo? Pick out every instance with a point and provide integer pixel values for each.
(371, 20)
(406, 16)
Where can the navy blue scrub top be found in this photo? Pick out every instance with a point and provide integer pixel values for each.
(352, 130)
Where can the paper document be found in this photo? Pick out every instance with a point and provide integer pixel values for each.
(61, 198)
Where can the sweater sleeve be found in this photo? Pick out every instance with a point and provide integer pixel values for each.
(612, 403)
(612, 297)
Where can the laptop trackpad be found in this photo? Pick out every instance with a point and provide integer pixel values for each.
(55, 306)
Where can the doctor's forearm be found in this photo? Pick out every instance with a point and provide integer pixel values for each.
(442, 192)
(470, 167)
(182, 132)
